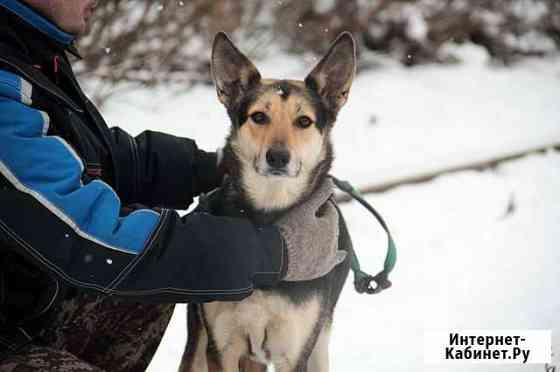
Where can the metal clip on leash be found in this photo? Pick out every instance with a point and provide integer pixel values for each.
(362, 280)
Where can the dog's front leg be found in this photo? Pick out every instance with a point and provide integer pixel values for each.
(231, 355)
(290, 367)
(319, 359)
(194, 357)
(247, 365)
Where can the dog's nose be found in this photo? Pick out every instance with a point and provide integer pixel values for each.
(277, 158)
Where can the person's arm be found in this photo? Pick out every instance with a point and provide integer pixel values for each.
(158, 169)
(76, 231)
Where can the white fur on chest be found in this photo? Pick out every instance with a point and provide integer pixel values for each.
(272, 192)
(287, 327)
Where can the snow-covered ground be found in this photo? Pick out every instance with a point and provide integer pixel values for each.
(477, 250)
(463, 264)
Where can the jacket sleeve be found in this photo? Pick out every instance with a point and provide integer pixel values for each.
(76, 231)
(158, 169)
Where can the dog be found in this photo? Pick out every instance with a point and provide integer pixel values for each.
(277, 153)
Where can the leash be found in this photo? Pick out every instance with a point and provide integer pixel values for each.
(362, 280)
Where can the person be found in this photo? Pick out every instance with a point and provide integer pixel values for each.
(93, 254)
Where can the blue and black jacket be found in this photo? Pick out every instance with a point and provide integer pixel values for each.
(70, 190)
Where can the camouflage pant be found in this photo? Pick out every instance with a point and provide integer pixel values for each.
(97, 334)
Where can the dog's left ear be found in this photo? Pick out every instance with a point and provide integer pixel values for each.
(333, 75)
(232, 71)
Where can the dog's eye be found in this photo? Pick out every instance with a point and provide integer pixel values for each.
(259, 118)
(303, 121)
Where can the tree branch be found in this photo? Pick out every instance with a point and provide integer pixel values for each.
(428, 176)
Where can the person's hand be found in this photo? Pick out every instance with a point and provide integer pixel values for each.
(310, 232)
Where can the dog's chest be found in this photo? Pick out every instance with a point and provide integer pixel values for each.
(265, 326)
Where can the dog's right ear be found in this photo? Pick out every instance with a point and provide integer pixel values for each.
(232, 71)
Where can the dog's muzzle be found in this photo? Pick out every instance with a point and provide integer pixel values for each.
(277, 162)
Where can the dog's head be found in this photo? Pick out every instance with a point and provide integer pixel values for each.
(279, 144)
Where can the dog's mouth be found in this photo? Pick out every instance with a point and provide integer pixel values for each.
(284, 172)
(277, 172)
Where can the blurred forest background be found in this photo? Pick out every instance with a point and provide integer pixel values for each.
(152, 42)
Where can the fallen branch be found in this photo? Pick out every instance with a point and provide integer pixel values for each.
(428, 176)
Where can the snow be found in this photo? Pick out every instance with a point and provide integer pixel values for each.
(462, 265)
(477, 250)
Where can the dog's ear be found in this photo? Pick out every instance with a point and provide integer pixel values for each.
(232, 72)
(333, 75)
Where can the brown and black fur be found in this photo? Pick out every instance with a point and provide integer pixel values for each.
(287, 325)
